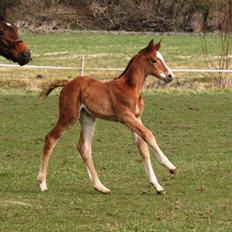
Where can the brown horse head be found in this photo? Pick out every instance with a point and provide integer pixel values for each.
(154, 63)
(11, 46)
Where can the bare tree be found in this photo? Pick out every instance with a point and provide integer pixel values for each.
(6, 4)
(225, 35)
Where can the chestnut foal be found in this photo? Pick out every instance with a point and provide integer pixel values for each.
(11, 46)
(119, 100)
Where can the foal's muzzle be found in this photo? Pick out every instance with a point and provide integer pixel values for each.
(24, 57)
(169, 78)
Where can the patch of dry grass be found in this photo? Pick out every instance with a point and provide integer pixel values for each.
(108, 51)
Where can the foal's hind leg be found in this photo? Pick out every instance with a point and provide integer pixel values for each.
(144, 151)
(84, 147)
(50, 142)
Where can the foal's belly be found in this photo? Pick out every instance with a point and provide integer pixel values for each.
(98, 112)
(97, 102)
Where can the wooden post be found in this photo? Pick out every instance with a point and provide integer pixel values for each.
(82, 65)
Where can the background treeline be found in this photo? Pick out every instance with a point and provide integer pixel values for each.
(130, 15)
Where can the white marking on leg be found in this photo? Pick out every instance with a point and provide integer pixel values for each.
(161, 157)
(144, 151)
(137, 126)
(152, 175)
(43, 186)
(89, 173)
(43, 168)
(87, 132)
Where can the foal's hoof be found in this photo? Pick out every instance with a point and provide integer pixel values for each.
(103, 190)
(43, 186)
(173, 171)
(162, 192)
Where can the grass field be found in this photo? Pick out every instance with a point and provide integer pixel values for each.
(107, 51)
(193, 129)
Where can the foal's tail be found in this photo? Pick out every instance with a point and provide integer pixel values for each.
(47, 90)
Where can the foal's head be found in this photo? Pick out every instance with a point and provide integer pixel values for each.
(154, 63)
(11, 46)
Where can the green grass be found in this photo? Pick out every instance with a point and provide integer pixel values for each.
(193, 129)
(106, 51)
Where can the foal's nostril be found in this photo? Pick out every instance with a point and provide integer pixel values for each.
(24, 55)
(170, 76)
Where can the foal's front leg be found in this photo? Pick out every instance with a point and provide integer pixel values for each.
(136, 125)
(144, 151)
(84, 146)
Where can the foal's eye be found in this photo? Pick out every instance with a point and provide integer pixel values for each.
(1, 33)
(153, 61)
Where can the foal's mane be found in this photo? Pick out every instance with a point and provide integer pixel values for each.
(129, 63)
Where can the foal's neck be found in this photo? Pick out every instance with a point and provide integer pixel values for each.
(135, 77)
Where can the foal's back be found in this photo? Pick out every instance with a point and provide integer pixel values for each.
(101, 99)
(90, 94)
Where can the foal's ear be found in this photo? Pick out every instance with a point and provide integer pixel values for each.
(150, 46)
(157, 46)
